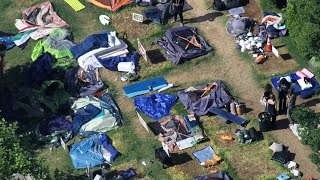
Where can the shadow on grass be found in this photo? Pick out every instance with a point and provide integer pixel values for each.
(208, 17)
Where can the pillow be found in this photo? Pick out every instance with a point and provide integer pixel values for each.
(275, 147)
(303, 84)
(307, 73)
(300, 74)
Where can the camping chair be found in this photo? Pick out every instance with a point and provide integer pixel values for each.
(192, 41)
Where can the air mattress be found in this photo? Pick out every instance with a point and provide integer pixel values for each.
(144, 87)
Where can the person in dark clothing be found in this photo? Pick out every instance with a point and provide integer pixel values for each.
(292, 97)
(177, 6)
(272, 109)
(284, 87)
(265, 96)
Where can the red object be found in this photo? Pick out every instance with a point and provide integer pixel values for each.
(269, 45)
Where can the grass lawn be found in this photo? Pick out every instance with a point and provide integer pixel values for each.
(134, 143)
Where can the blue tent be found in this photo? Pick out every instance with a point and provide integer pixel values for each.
(92, 152)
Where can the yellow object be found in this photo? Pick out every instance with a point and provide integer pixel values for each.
(209, 163)
(225, 137)
(75, 4)
(213, 171)
(216, 157)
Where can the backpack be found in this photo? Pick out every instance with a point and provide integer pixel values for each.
(163, 157)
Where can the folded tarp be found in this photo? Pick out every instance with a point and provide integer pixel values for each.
(193, 102)
(204, 154)
(92, 42)
(144, 87)
(297, 89)
(155, 106)
(228, 116)
(183, 43)
(92, 152)
(217, 176)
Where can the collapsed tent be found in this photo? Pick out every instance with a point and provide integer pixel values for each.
(109, 117)
(57, 43)
(41, 17)
(155, 106)
(183, 43)
(92, 152)
(217, 176)
(111, 5)
(199, 100)
(80, 82)
(239, 25)
(177, 133)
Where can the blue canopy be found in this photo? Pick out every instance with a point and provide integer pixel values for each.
(92, 152)
(155, 106)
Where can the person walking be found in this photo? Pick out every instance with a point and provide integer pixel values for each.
(272, 109)
(177, 6)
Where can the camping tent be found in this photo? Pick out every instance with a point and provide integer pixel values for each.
(183, 43)
(111, 5)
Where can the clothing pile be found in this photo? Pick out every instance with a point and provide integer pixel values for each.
(272, 24)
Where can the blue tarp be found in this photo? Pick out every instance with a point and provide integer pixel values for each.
(295, 86)
(92, 42)
(112, 62)
(90, 152)
(155, 106)
(204, 154)
(83, 116)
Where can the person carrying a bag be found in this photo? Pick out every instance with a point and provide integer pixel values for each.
(177, 6)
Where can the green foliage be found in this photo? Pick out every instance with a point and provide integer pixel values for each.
(305, 116)
(14, 156)
(303, 22)
(272, 5)
(315, 158)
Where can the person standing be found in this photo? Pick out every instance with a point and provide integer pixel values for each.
(177, 6)
(284, 87)
(292, 97)
(265, 96)
(272, 109)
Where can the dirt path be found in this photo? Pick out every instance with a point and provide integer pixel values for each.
(238, 73)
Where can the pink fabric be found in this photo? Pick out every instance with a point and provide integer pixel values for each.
(45, 21)
(300, 74)
(307, 73)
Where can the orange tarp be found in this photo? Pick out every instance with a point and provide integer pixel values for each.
(111, 5)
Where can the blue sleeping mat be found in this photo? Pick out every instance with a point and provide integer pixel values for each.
(295, 86)
(144, 87)
(226, 115)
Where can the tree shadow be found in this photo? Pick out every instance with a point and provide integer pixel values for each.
(208, 17)
(312, 102)
(178, 159)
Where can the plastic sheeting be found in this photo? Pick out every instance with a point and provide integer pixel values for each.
(92, 152)
(155, 106)
(55, 123)
(84, 115)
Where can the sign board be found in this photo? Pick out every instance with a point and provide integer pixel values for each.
(142, 51)
(144, 124)
(275, 51)
(137, 17)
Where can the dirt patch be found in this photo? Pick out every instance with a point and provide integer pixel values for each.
(125, 25)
